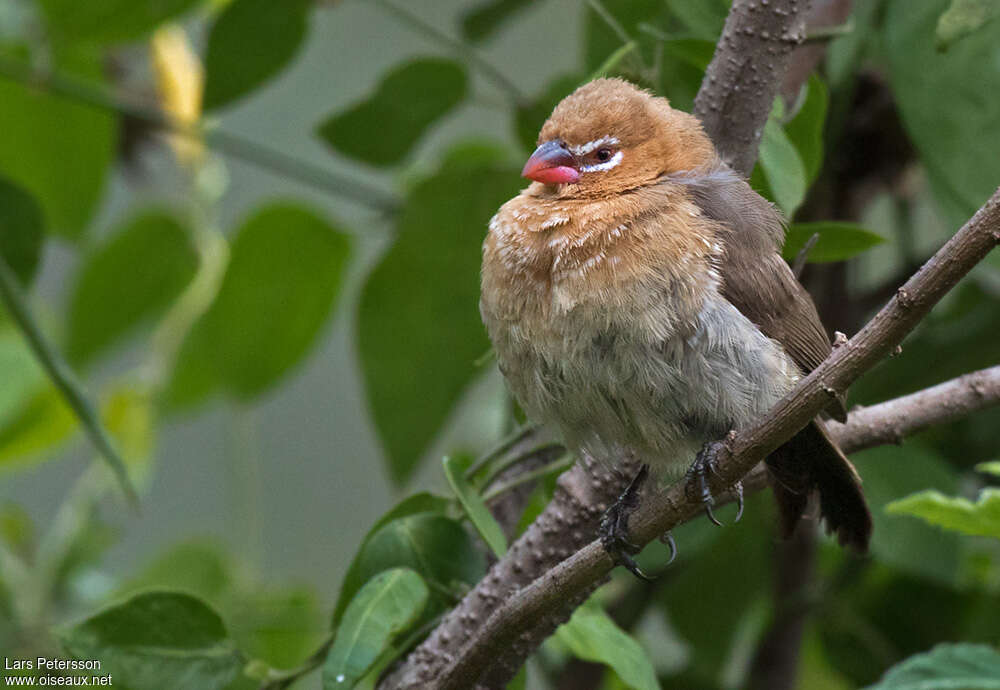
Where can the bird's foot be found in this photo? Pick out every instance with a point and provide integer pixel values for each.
(698, 480)
(614, 526)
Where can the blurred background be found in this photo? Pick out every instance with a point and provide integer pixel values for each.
(252, 229)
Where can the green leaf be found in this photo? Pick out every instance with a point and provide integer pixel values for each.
(249, 43)
(156, 640)
(981, 518)
(388, 605)
(419, 330)
(837, 241)
(989, 467)
(946, 667)
(805, 130)
(383, 129)
(62, 377)
(20, 373)
(905, 544)
(480, 516)
(591, 635)
(285, 272)
(42, 422)
(962, 18)
(58, 150)
(703, 19)
(600, 40)
(435, 546)
(419, 503)
(483, 19)
(22, 230)
(782, 168)
(107, 21)
(529, 118)
(132, 278)
(956, 143)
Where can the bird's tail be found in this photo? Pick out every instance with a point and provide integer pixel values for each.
(812, 461)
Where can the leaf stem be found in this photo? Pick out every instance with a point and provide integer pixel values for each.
(243, 148)
(564, 462)
(63, 377)
(505, 444)
(460, 47)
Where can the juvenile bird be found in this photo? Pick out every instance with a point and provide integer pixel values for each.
(638, 303)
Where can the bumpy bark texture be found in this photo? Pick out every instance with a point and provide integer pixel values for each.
(745, 74)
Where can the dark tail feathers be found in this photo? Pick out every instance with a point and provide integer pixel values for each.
(811, 461)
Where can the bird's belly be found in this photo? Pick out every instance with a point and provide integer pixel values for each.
(624, 383)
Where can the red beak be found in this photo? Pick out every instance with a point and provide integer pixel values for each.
(551, 163)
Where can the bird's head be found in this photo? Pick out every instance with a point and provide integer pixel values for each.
(609, 136)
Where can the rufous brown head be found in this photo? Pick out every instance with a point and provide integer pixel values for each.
(609, 136)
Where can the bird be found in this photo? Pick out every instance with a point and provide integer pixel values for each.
(638, 304)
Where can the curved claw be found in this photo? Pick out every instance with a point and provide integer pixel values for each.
(627, 562)
(738, 489)
(668, 539)
(711, 515)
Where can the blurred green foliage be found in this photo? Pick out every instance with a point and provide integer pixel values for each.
(233, 312)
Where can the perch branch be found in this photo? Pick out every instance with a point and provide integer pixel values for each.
(577, 575)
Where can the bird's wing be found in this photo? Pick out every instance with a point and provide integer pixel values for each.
(755, 279)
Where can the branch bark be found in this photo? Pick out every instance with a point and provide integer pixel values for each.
(747, 70)
(574, 578)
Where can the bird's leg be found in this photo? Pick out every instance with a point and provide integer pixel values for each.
(614, 526)
(697, 477)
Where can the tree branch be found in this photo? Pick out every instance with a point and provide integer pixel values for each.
(502, 641)
(745, 74)
(575, 577)
(891, 421)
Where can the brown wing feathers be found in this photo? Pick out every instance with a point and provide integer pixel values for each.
(758, 282)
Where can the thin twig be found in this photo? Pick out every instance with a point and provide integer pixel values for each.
(249, 150)
(563, 463)
(63, 378)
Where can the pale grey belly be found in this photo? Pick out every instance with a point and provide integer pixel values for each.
(611, 394)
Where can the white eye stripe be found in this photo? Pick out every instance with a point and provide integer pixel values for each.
(584, 149)
(606, 165)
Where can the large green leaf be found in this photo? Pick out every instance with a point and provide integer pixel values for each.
(422, 502)
(22, 230)
(805, 129)
(946, 667)
(782, 168)
(156, 640)
(384, 128)
(130, 279)
(981, 518)
(419, 330)
(964, 17)
(591, 635)
(249, 43)
(475, 508)
(387, 606)
(837, 241)
(283, 278)
(57, 149)
(435, 546)
(106, 21)
(946, 103)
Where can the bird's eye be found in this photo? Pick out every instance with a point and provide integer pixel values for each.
(603, 155)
